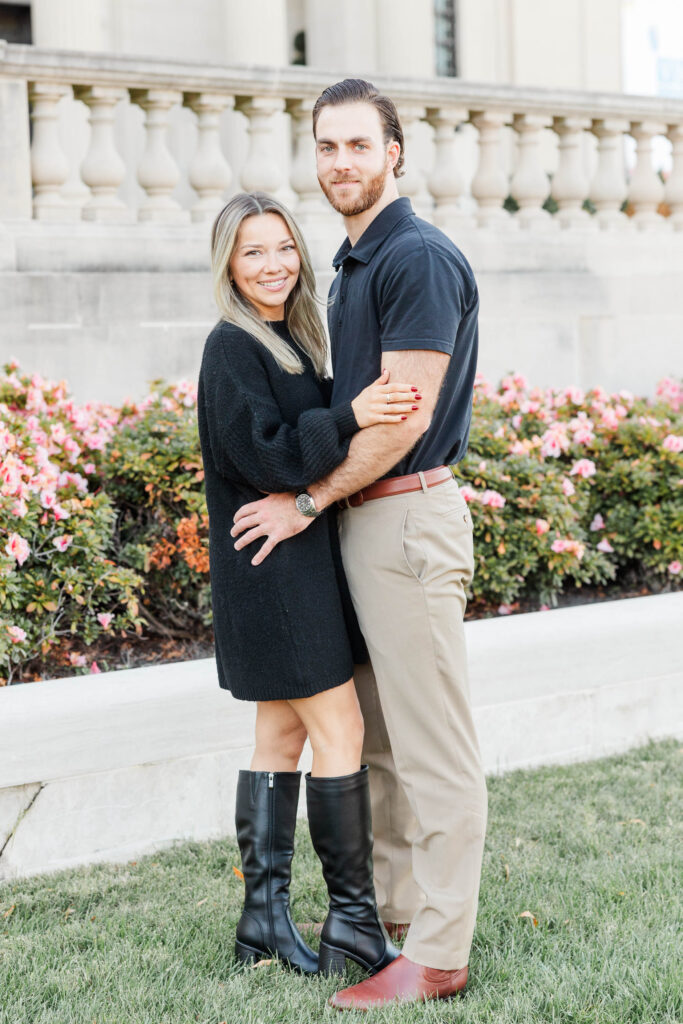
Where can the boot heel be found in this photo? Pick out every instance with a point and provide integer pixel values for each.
(245, 954)
(330, 960)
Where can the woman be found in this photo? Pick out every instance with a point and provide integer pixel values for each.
(285, 632)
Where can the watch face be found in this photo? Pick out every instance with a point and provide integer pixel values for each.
(305, 504)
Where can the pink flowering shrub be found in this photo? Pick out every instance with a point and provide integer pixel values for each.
(104, 531)
(589, 486)
(56, 575)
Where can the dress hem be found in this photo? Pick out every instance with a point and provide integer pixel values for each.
(308, 692)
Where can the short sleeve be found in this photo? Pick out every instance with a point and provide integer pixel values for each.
(421, 303)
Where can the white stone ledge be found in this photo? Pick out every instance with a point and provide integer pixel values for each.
(113, 766)
(84, 247)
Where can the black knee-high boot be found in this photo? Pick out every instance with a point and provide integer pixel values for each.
(341, 830)
(265, 817)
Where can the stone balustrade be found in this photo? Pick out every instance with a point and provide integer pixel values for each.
(543, 159)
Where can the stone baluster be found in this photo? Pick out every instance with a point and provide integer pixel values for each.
(303, 178)
(312, 210)
(608, 187)
(262, 170)
(490, 183)
(445, 181)
(570, 183)
(673, 191)
(49, 165)
(158, 173)
(412, 182)
(646, 190)
(530, 185)
(209, 172)
(102, 169)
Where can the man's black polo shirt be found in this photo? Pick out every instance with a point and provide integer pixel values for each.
(404, 285)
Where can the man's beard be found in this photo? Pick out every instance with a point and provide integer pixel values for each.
(370, 193)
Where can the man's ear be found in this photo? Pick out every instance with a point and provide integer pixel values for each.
(393, 153)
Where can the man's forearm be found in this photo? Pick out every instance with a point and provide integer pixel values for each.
(373, 453)
(376, 450)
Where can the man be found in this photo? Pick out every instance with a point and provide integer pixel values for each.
(404, 299)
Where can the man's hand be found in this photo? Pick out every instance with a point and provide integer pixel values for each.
(275, 517)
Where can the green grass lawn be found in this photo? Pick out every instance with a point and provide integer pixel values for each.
(589, 850)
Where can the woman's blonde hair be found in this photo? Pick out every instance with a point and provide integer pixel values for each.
(301, 312)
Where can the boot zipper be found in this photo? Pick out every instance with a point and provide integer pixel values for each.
(270, 856)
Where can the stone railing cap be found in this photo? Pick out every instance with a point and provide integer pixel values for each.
(84, 68)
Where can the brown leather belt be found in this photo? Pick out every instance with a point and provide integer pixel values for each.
(397, 485)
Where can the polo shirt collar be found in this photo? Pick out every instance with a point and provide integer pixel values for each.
(375, 233)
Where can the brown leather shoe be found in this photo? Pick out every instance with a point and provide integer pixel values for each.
(402, 982)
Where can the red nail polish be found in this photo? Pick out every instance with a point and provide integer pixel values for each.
(413, 389)
(415, 407)
(417, 396)
(404, 417)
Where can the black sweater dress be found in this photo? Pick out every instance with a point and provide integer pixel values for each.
(286, 628)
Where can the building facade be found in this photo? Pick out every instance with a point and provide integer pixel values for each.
(570, 44)
(125, 125)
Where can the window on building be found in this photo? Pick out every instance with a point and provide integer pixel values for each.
(444, 25)
(299, 48)
(15, 23)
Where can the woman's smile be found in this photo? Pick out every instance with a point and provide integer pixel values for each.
(274, 286)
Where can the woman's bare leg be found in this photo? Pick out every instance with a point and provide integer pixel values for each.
(334, 724)
(279, 736)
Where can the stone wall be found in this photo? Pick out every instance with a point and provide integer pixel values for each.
(110, 308)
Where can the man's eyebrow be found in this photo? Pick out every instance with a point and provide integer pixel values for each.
(356, 139)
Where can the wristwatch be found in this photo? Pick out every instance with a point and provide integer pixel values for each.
(306, 505)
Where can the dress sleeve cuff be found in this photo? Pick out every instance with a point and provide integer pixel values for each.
(346, 421)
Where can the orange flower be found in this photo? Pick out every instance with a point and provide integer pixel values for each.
(161, 555)
(193, 541)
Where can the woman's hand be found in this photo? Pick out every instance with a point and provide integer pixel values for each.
(381, 402)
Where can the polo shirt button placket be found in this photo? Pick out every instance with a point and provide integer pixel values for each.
(342, 291)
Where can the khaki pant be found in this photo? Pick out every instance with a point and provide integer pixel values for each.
(408, 558)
